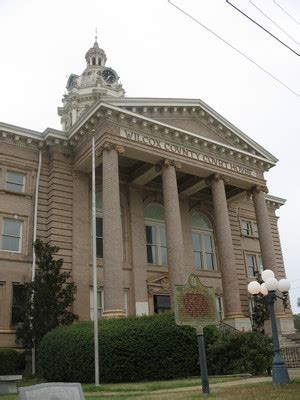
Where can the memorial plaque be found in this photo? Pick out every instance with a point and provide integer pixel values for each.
(52, 391)
(195, 304)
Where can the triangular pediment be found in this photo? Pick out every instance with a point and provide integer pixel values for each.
(192, 116)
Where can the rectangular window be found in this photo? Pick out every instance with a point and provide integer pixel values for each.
(250, 262)
(99, 303)
(99, 237)
(260, 264)
(17, 304)
(254, 229)
(254, 264)
(11, 236)
(15, 181)
(156, 244)
(204, 253)
(197, 250)
(163, 245)
(219, 304)
(161, 304)
(126, 302)
(249, 228)
(246, 228)
(209, 254)
(151, 244)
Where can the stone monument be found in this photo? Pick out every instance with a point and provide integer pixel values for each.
(52, 391)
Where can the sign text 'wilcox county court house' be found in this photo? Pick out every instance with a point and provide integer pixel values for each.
(186, 152)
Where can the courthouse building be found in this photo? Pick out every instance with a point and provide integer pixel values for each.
(180, 190)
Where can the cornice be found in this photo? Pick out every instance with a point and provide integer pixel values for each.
(141, 102)
(140, 123)
(274, 201)
(101, 111)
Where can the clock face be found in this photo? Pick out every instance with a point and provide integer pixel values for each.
(109, 76)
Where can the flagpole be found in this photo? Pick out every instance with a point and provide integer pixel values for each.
(95, 286)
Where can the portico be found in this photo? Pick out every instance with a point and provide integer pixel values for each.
(182, 172)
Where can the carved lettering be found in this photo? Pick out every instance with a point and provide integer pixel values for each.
(184, 151)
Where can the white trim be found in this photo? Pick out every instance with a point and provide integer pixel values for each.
(19, 237)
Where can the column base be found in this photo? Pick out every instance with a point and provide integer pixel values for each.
(109, 314)
(141, 308)
(285, 325)
(242, 323)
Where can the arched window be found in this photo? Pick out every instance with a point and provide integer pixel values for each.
(94, 61)
(155, 235)
(203, 242)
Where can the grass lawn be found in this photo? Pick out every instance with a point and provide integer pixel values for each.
(152, 390)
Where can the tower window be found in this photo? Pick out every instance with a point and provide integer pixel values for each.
(94, 61)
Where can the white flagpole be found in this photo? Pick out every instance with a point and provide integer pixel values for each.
(96, 339)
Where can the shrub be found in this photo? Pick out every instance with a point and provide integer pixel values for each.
(11, 361)
(239, 353)
(141, 348)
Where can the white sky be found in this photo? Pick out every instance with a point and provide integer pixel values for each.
(159, 52)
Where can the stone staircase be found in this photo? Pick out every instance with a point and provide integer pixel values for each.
(290, 349)
(289, 340)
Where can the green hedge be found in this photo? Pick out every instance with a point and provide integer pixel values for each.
(138, 349)
(11, 361)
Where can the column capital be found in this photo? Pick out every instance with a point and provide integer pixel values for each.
(108, 146)
(167, 163)
(216, 177)
(258, 188)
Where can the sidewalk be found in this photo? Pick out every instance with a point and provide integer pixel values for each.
(293, 373)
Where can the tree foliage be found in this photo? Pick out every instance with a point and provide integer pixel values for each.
(48, 298)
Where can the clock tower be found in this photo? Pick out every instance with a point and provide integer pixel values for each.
(97, 80)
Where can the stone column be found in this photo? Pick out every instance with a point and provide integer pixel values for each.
(264, 229)
(112, 233)
(265, 236)
(177, 275)
(139, 255)
(231, 295)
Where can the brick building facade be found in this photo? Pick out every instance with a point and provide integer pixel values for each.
(179, 190)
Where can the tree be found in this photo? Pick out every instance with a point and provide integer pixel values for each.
(48, 298)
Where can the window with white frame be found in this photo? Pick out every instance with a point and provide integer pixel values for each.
(203, 242)
(99, 303)
(219, 304)
(12, 235)
(156, 235)
(126, 302)
(15, 181)
(99, 226)
(249, 228)
(253, 264)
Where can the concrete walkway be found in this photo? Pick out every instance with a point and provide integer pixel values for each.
(294, 373)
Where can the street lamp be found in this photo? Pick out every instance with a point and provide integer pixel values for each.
(268, 288)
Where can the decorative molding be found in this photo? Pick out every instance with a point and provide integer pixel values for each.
(108, 146)
(167, 163)
(259, 188)
(217, 177)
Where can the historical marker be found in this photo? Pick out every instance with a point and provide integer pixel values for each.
(195, 305)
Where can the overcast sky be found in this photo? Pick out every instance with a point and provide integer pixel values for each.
(160, 52)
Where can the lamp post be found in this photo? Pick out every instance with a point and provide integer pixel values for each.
(268, 289)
